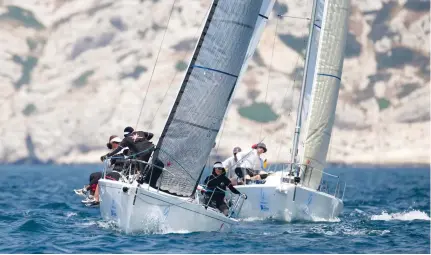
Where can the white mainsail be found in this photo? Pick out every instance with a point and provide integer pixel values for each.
(326, 85)
(312, 55)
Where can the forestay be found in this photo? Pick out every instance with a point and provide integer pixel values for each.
(199, 108)
(324, 95)
(312, 55)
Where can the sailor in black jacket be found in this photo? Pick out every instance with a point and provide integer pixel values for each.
(138, 143)
(215, 190)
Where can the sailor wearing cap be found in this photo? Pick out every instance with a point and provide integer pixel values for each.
(251, 164)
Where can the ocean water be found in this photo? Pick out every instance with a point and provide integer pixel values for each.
(386, 211)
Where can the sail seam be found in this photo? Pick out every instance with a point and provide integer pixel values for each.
(196, 125)
(215, 70)
(329, 75)
(236, 22)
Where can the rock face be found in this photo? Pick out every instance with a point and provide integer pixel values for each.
(75, 72)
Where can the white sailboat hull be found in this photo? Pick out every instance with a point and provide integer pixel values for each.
(275, 200)
(156, 212)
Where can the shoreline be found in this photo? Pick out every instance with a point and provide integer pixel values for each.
(329, 165)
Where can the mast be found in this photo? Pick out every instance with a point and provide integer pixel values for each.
(301, 98)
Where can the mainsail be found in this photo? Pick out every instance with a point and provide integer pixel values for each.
(310, 69)
(262, 19)
(324, 95)
(202, 101)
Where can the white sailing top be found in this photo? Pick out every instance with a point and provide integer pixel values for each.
(250, 160)
(230, 164)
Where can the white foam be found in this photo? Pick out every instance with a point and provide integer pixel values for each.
(318, 219)
(249, 219)
(90, 223)
(168, 231)
(347, 230)
(380, 232)
(70, 214)
(404, 216)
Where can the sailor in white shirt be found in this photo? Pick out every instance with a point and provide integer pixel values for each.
(250, 164)
(231, 163)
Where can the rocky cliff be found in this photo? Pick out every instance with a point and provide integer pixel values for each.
(74, 72)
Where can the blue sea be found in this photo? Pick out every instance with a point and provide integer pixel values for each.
(387, 210)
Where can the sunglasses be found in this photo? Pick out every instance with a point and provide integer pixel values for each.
(219, 168)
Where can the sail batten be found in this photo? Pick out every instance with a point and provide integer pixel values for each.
(202, 101)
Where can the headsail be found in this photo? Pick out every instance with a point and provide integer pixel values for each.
(324, 95)
(312, 55)
(202, 101)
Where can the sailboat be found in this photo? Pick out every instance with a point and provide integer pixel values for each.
(297, 192)
(173, 204)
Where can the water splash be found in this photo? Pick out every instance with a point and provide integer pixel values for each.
(250, 219)
(404, 216)
(318, 219)
(71, 214)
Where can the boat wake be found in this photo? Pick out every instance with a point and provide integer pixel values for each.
(404, 216)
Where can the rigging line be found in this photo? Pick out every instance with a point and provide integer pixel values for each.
(176, 72)
(329, 149)
(291, 106)
(221, 134)
(207, 165)
(162, 204)
(176, 161)
(155, 64)
(269, 71)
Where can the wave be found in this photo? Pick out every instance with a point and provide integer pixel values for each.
(404, 216)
